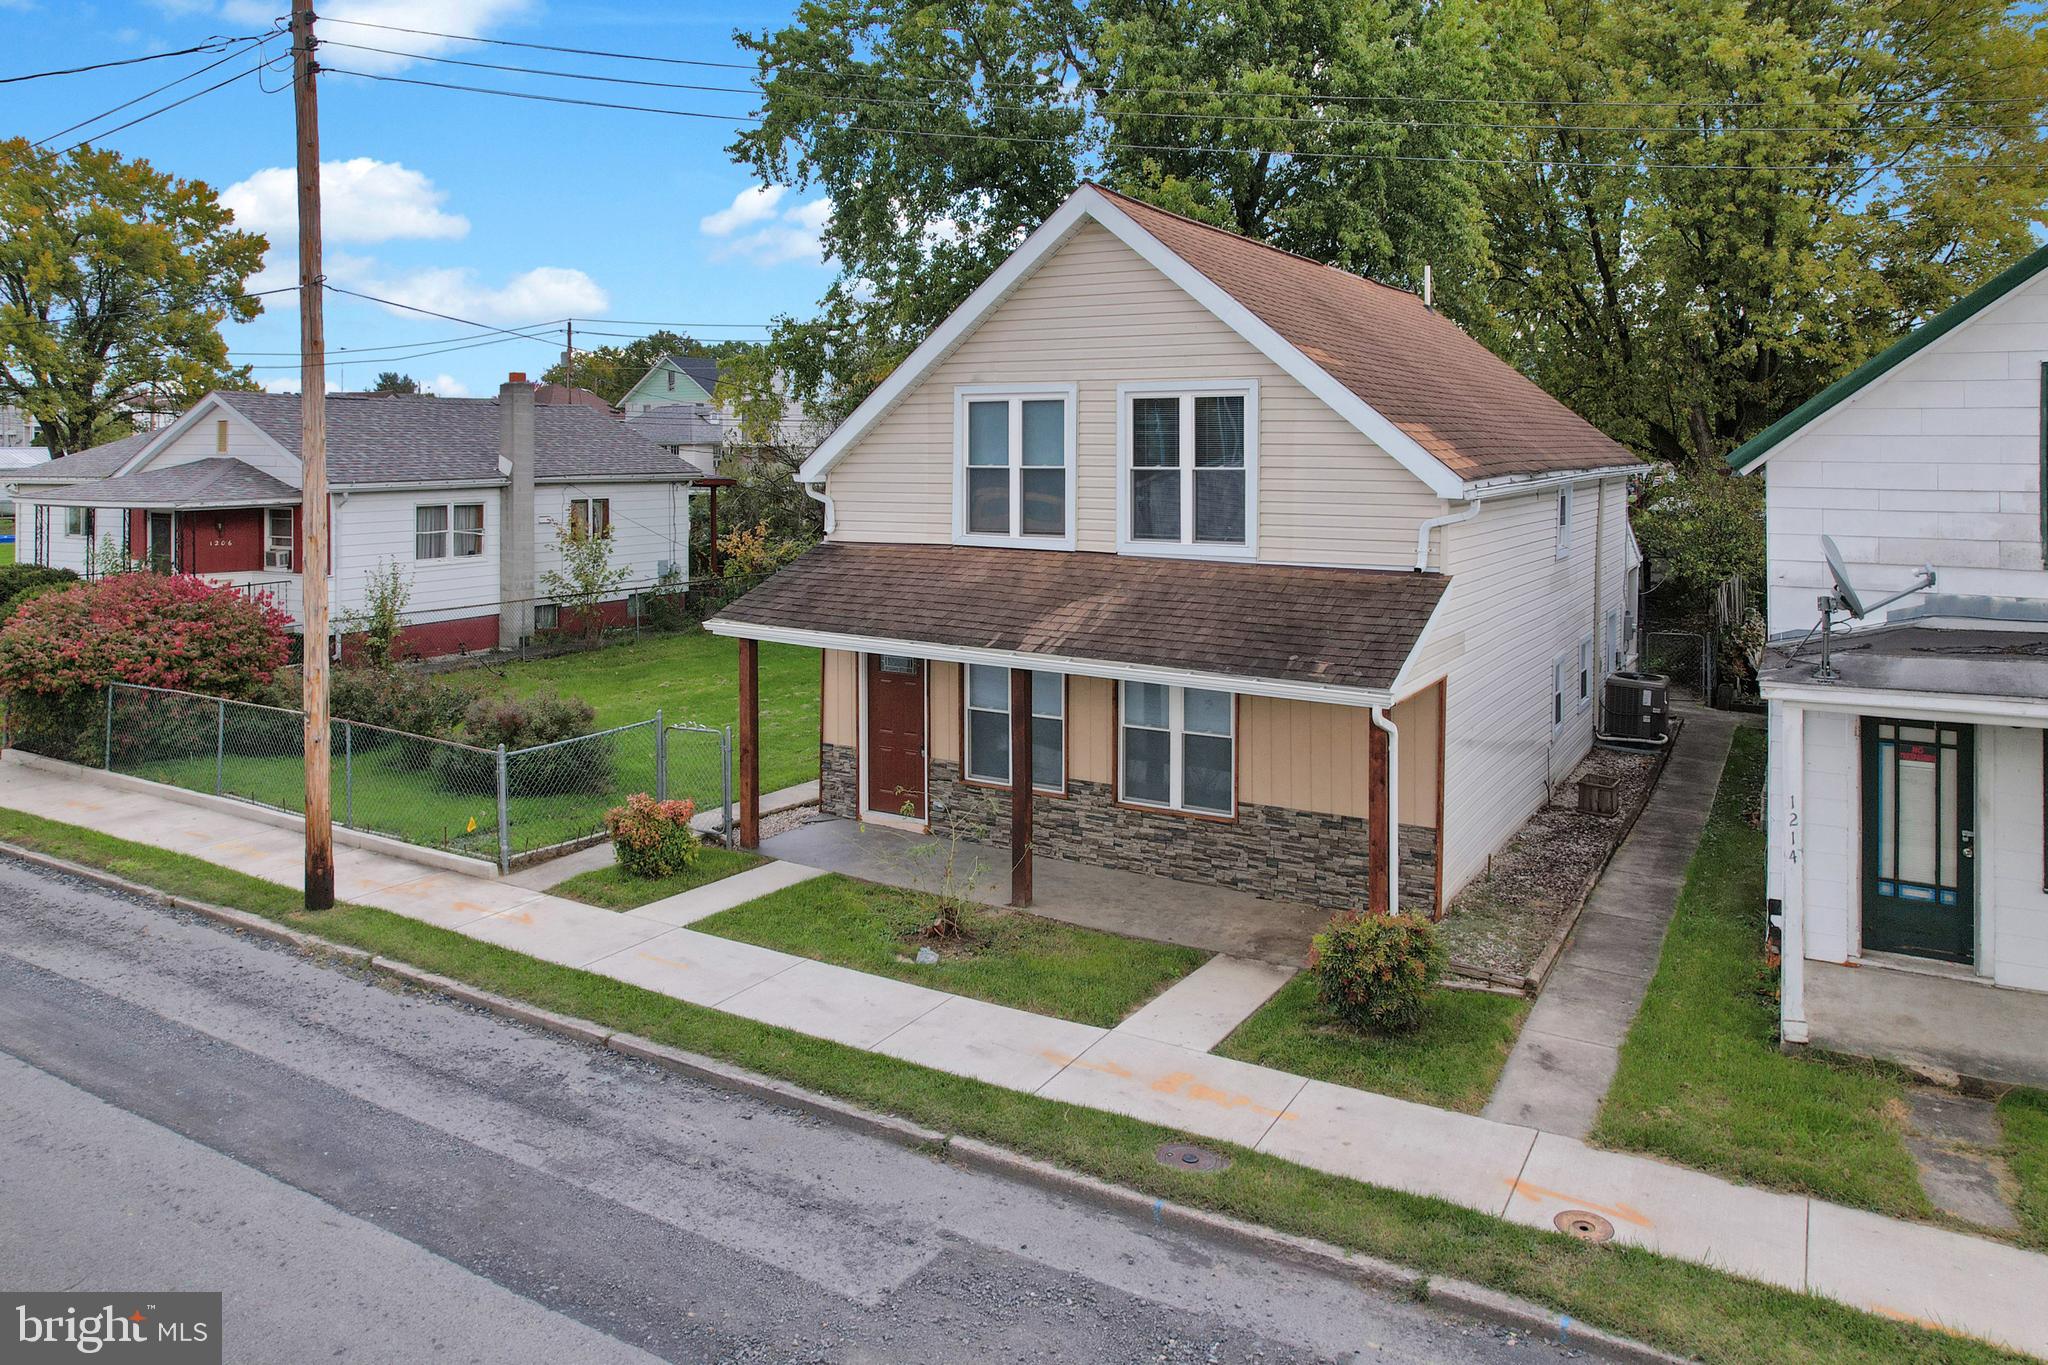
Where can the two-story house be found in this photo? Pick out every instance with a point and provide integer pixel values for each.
(1907, 831)
(1188, 556)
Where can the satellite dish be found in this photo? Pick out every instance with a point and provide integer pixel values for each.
(1845, 591)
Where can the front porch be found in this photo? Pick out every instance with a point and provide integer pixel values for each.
(1128, 903)
(1932, 1019)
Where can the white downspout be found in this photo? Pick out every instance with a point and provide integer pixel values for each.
(1470, 510)
(814, 489)
(1393, 835)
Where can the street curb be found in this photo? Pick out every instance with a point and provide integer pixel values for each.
(1473, 1300)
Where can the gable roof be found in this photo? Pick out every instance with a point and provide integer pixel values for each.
(681, 424)
(95, 462)
(212, 482)
(1752, 452)
(698, 369)
(1446, 408)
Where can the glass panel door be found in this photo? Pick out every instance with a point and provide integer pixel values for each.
(1918, 840)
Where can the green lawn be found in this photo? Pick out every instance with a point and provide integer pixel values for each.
(614, 888)
(692, 676)
(1452, 1060)
(2025, 1116)
(1006, 957)
(1701, 1080)
(1688, 1309)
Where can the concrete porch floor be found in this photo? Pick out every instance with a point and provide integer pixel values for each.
(1129, 903)
(1948, 1023)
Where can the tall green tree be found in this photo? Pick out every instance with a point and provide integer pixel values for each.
(114, 280)
(944, 132)
(1711, 210)
(610, 371)
(391, 381)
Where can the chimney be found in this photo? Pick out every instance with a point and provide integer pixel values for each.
(516, 521)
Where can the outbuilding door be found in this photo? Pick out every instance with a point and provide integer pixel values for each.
(895, 739)
(1919, 854)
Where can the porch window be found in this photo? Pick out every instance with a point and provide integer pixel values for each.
(988, 727)
(587, 517)
(277, 539)
(1016, 474)
(1190, 469)
(78, 521)
(469, 530)
(430, 532)
(1178, 748)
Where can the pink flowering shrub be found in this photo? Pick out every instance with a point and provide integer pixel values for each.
(653, 838)
(59, 650)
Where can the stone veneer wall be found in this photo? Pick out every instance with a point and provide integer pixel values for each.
(838, 781)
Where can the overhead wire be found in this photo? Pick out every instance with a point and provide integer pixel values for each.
(213, 44)
(148, 94)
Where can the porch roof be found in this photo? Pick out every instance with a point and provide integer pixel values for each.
(1327, 634)
(1970, 664)
(216, 482)
(219, 481)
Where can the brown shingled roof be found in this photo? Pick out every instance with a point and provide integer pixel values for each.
(1459, 401)
(1334, 627)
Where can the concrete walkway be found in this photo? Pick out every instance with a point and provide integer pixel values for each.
(552, 873)
(1202, 1008)
(1562, 1064)
(1897, 1269)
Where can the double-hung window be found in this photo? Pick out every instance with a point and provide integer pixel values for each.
(469, 529)
(441, 530)
(590, 517)
(277, 539)
(1564, 522)
(1178, 748)
(1016, 475)
(78, 521)
(1189, 469)
(988, 727)
(1585, 673)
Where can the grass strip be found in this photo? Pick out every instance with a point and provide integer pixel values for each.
(614, 888)
(1451, 1060)
(1005, 957)
(1701, 1080)
(2024, 1115)
(1678, 1306)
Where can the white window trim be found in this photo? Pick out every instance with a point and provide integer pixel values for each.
(967, 707)
(1177, 731)
(482, 531)
(1612, 639)
(447, 533)
(963, 394)
(84, 522)
(589, 502)
(1187, 547)
(270, 545)
(1567, 511)
(1559, 712)
(1586, 677)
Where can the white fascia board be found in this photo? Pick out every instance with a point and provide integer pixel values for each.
(1880, 701)
(193, 416)
(1082, 668)
(1087, 202)
(1399, 687)
(1510, 485)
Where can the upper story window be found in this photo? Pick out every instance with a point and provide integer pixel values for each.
(1014, 484)
(1564, 521)
(1188, 469)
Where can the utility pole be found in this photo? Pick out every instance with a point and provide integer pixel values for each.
(569, 357)
(313, 456)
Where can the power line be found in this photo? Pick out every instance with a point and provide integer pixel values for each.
(148, 94)
(213, 44)
(164, 109)
(1643, 163)
(550, 323)
(404, 359)
(415, 308)
(548, 47)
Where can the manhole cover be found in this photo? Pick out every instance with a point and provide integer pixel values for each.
(1185, 1156)
(1587, 1227)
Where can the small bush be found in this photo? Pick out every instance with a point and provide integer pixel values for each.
(1376, 971)
(18, 580)
(651, 838)
(397, 699)
(517, 723)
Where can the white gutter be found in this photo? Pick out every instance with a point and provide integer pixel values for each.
(1393, 835)
(1509, 485)
(814, 489)
(1470, 511)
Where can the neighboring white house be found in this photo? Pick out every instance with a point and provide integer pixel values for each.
(1293, 571)
(466, 494)
(1907, 831)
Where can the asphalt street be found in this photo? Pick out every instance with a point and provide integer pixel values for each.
(376, 1174)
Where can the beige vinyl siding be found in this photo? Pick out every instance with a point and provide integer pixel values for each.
(942, 742)
(1091, 730)
(1416, 718)
(1302, 755)
(1095, 314)
(839, 707)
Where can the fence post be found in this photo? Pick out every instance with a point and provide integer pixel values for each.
(348, 776)
(504, 819)
(109, 763)
(220, 749)
(660, 757)
(725, 770)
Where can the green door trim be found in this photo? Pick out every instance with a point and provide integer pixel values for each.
(1920, 921)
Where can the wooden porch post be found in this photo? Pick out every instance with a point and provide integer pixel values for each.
(1379, 807)
(750, 744)
(1020, 786)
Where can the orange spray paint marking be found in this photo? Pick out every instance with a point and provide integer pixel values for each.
(1624, 1212)
(1183, 1083)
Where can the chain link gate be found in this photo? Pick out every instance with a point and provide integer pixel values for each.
(1684, 656)
(698, 766)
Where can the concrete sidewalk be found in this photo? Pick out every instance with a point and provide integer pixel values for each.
(1897, 1269)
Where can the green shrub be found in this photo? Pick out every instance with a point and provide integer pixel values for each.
(522, 723)
(17, 581)
(396, 699)
(651, 838)
(1376, 971)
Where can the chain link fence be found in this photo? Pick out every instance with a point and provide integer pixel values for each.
(507, 806)
(1684, 656)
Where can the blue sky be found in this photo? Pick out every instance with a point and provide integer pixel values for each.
(505, 211)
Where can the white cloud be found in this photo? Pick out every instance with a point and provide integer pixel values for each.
(447, 16)
(446, 386)
(779, 235)
(749, 206)
(361, 200)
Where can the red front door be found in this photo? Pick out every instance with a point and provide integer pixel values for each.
(895, 754)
